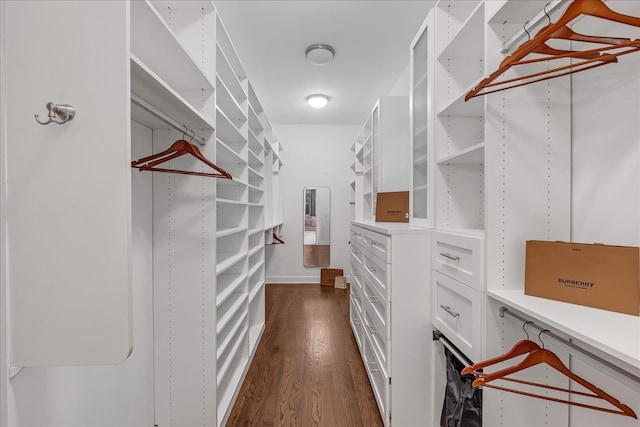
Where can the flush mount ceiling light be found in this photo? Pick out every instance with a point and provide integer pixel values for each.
(318, 101)
(319, 54)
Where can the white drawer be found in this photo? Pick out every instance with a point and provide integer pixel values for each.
(377, 273)
(357, 279)
(356, 235)
(460, 257)
(377, 244)
(357, 295)
(376, 329)
(356, 252)
(458, 313)
(378, 379)
(356, 321)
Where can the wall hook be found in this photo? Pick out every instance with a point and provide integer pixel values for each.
(58, 113)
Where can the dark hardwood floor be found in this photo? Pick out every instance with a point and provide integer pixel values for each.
(307, 369)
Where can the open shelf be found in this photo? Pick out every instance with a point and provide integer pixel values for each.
(468, 42)
(229, 105)
(163, 52)
(592, 326)
(459, 107)
(227, 131)
(472, 155)
(152, 88)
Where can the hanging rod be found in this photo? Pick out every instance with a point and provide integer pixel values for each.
(168, 120)
(437, 335)
(569, 345)
(517, 37)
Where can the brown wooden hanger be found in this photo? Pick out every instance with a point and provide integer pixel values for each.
(520, 348)
(545, 356)
(277, 239)
(177, 149)
(595, 8)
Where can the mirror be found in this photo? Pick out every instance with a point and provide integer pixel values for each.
(317, 227)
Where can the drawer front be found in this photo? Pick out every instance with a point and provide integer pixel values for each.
(356, 322)
(376, 330)
(378, 308)
(378, 379)
(377, 244)
(357, 296)
(356, 253)
(357, 278)
(460, 257)
(356, 236)
(458, 313)
(377, 273)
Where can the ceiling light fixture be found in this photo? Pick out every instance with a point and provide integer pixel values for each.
(319, 54)
(318, 101)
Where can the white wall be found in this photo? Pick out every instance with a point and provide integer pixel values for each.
(401, 87)
(119, 395)
(315, 156)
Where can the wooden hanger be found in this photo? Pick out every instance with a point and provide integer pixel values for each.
(277, 239)
(595, 8)
(520, 348)
(177, 149)
(545, 356)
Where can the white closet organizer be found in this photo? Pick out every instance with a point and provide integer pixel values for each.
(502, 166)
(388, 316)
(381, 154)
(209, 235)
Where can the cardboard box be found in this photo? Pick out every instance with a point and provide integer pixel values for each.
(392, 207)
(328, 276)
(594, 275)
(341, 282)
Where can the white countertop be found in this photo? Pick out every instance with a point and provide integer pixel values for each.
(391, 228)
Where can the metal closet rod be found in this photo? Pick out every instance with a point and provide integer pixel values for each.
(570, 345)
(168, 120)
(437, 335)
(517, 37)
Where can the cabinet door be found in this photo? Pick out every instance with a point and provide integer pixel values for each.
(421, 124)
(68, 185)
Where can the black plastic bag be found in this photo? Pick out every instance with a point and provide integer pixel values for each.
(462, 401)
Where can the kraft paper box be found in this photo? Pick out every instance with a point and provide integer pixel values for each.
(328, 276)
(341, 282)
(392, 206)
(594, 275)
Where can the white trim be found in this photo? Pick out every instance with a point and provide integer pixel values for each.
(315, 279)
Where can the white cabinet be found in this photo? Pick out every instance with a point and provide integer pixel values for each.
(390, 316)
(381, 154)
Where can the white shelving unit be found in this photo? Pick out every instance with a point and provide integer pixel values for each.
(503, 175)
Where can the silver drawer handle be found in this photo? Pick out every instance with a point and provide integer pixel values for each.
(355, 251)
(449, 256)
(372, 268)
(371, 329)
(372, 299)
(356, 323)
(373, 367)
(353, 233)
(356, 274)
(371, 242)
(448, 310)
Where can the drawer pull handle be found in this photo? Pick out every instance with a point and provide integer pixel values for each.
(353, 233)
(371, 242)
(371, 329)
(356, 274)
(448, 310)
(449, 256)
(356, 252)
(356, 323)
(372, 268)
(373, 367)
(372, 299)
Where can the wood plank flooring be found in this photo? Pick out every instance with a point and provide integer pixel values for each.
(307, 369)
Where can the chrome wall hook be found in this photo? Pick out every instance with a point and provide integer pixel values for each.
(58, 113)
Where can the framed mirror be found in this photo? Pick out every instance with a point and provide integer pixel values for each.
(317, 227)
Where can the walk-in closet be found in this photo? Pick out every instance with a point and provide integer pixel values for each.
(402, 213)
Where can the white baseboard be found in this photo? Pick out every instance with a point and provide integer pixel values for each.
(312, 280)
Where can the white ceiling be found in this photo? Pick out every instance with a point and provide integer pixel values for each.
(371, 39)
